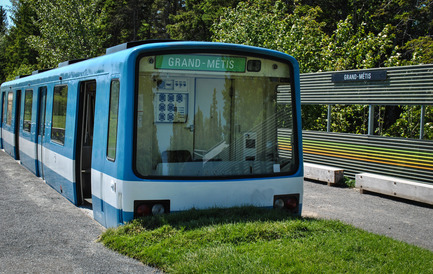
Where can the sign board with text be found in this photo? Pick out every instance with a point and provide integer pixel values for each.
(200, 63)
(377, 75)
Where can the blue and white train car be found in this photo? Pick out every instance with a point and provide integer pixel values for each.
(159, 127)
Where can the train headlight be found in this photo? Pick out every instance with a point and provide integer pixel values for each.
(279, 203)
(158, 209)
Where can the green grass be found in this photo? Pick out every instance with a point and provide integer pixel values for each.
(346, 182)
(252, 240)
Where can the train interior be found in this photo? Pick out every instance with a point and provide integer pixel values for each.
(85, 141)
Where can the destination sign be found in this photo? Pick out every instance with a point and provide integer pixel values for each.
(378, 75)
(201, 63)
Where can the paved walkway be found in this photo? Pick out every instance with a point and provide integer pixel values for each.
(42, 232)
(398, 219)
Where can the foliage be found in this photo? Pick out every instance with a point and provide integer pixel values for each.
(163, 11)
(253, 240)
(261, 23)
(123, 19)
(23, 69)
(314, 117)
(132, 20)
(407, 123)
(3, 21)
(194, 20)
(69, 29)
(346, 182)
(349, 119)
(420, 50)
(18, 55)
(330, 35)
(299, 34)
(352, 47)
(3, 28)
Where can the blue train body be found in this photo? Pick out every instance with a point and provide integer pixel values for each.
(95, 131)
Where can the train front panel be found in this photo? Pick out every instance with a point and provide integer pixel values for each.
(200, 125)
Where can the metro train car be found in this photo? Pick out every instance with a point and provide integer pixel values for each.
(156, 127)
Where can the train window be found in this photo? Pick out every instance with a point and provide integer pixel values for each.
(58, 125)
(9, 108)
(28, 102)
(208, 115)
(42, 110)
(4, 107)
(112, 122)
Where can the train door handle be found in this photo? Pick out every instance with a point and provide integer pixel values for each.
(191, 128)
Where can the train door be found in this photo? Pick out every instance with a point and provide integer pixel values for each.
(83, 164)
(17, 123)
(42, 95)
(212, 123)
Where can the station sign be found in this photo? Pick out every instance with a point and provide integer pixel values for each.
(357, 76)
(200, 63)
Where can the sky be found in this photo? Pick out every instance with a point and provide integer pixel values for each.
(7, 5)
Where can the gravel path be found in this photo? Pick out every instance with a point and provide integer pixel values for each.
(42, 232)
(398, 219)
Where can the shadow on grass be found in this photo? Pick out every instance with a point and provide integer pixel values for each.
(193, 219)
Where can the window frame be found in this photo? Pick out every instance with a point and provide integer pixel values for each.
(295, 130)
(55, 139)
(42, 113)
(112, 158)
(4, 107)
(9, 110)
(27, 128)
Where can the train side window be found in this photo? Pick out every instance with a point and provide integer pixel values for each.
(4, 108)
(58, 124)
(28, 102)
(112, 122)
(42, 110)
(9, 108)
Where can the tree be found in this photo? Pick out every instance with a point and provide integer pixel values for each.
(69, 29)
(3, 20)
(20, 58)
(3, 28)
(162, 16)
(126, 21)
(352, 47)
(300, 34)
(269, 25)
(132, 20)
(332, 12)
(194, 19)
(419, 51)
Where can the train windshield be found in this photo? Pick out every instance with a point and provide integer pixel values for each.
(214, 115)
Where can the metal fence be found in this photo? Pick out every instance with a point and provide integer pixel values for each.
(399, 157)
(404, 158)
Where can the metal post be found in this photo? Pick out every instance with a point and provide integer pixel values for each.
(328, 122)
(371, 120)
(422, 122)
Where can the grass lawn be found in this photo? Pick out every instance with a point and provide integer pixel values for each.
(253, 240)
